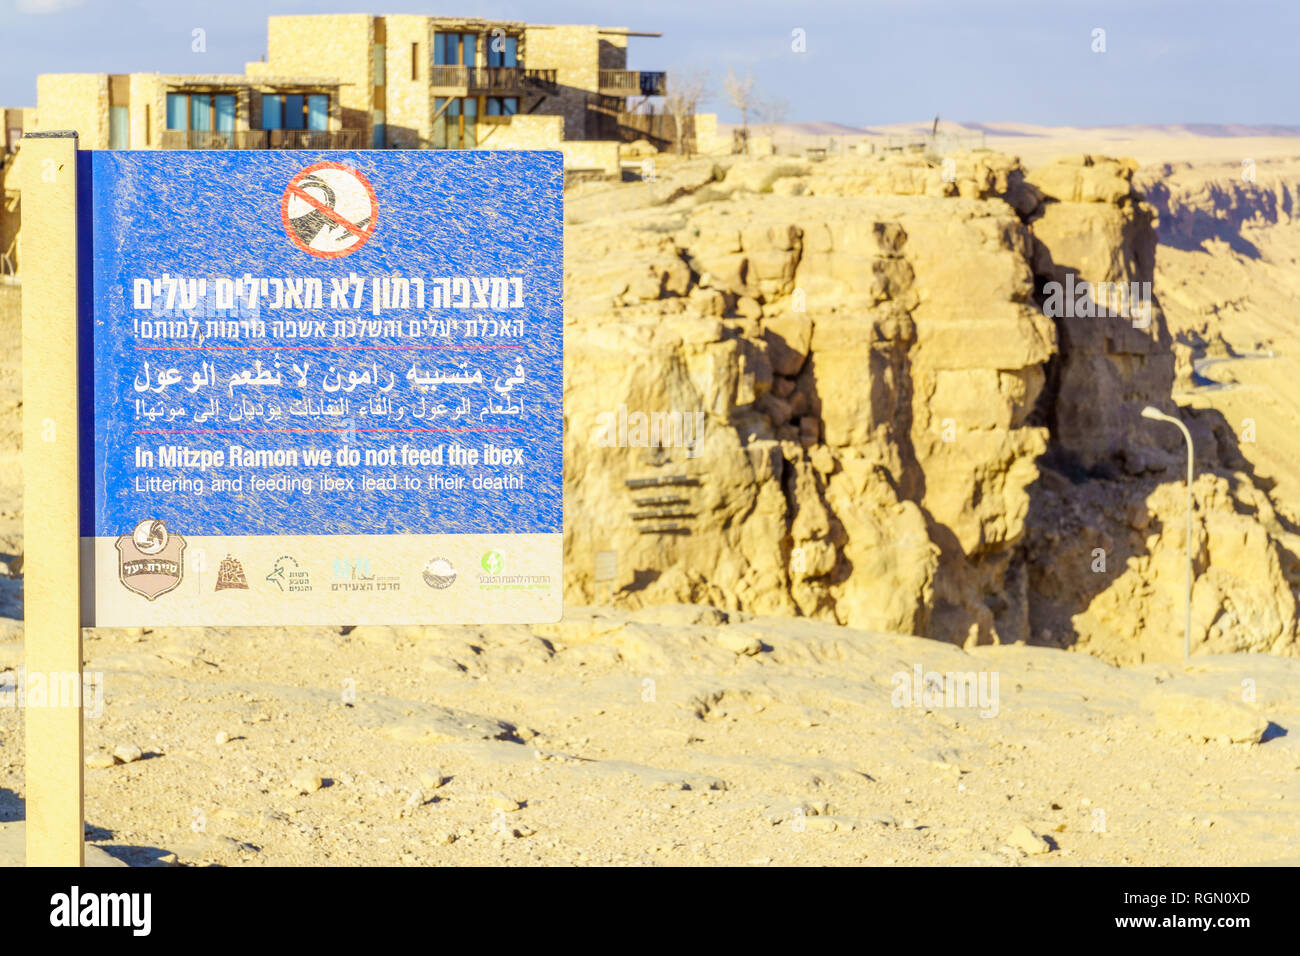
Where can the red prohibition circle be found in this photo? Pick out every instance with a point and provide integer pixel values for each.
(363, 235)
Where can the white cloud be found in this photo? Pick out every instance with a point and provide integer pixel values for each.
(43, 7)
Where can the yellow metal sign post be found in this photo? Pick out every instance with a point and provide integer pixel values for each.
(51, 532)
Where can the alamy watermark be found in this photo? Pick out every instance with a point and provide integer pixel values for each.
(932, 690)
(22, 688)
(1091, 300)
(673, 429)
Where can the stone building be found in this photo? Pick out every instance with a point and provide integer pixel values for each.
(359, 81)
(418, 82)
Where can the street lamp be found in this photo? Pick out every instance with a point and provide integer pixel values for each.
(1155, 413)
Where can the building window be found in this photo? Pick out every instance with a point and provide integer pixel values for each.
(454, 49)
(272, 112)
(457, 126)
(119, 128)
(295, 111)
(224, 107)
(415, 61)
(178, 108)
(507, 55)
(380, 121)
(502, 105)
(200, 113)
(318, 111)
(381, 64)
(203, 112)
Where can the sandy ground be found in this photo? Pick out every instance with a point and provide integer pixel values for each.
(651, 740)
(679, 736)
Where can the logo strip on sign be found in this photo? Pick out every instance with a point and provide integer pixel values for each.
(327, 388)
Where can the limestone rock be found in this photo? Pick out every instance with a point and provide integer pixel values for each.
(127, 753)
(306, 781)
(740, 642)
(1024, 839)
(1206, 718)
(847, 402)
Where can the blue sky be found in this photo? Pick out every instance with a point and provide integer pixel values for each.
(867, 61)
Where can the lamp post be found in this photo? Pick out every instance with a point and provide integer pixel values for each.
(1155, 413)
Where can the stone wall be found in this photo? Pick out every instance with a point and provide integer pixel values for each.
(708, 141)
(147, 110)
(573, 52)
(333, 45)
(524, 132)
(76, 101)
(409, 103)
(602, 155)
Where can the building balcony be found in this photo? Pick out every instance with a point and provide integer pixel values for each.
(316, 139)
(264, 139)
(543, 80)
(466, 80)
(496, 80)
(212, 139)
(632, 83)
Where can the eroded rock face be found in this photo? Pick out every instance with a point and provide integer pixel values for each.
(830, 389)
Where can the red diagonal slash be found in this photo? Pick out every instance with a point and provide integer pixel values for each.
(331, 215)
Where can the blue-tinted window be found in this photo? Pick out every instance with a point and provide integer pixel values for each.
(509, 105)
(224, 104)
(470, 108)
(467, 49)
(439, 138)
(177, 107)
(507, 55)
(318, 112)
(200, 113)
(293, 118)
(119, 128)
(272, 116)
(440, 48)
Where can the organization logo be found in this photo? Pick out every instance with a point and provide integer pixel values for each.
(230, 575)
(329, 210)
(288, 575)
(355, 574)
(150, 559)
(493, 564)
(439, 573)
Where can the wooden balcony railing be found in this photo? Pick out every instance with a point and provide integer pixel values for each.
(464, 80)
(212, 139)
(470, 79)
(316, 139)
(264, 139)
(632, 83)
(540, 79)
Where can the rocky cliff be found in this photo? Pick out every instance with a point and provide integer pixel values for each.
(901, 396)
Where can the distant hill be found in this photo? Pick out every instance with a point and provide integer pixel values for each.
(1013, 130)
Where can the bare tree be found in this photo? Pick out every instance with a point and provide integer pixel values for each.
(687, 89)
(741, 95)
(771, 113)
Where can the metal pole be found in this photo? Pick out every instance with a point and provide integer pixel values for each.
(51, 535)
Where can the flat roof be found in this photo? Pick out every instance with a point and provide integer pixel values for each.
(239, 79)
